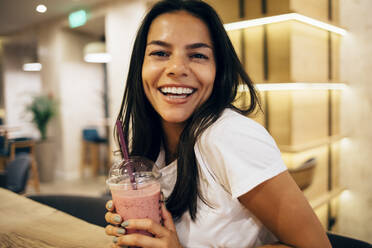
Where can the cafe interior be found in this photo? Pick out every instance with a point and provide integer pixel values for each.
(63, 66)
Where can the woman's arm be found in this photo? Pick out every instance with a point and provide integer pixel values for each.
(280, 205)
(164, 236)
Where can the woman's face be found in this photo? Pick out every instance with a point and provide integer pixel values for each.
(179, 67)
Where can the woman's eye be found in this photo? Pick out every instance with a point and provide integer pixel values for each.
(159, 54)
(199, 56)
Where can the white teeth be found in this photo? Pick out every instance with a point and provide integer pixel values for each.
(177, 97)
(176, 90)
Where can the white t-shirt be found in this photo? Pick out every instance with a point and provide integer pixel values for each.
(234, 155)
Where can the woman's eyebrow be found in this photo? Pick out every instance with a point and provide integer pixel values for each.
(159, 43)
(198, 45)
(191, 46)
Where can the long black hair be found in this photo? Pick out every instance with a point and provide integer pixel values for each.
(141, 123)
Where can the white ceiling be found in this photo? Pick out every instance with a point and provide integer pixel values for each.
(18, 15)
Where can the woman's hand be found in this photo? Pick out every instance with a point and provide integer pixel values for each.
(115, 219)
(164, 236)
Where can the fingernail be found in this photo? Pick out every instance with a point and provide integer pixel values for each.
(125, 224)
(109, 205)
(120, 231)
(115, 240)
(117, 218)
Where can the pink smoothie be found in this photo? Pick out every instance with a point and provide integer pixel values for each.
(138, 204)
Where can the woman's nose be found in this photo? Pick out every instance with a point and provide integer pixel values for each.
(177, 66)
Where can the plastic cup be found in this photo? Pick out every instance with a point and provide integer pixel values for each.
(139, 199)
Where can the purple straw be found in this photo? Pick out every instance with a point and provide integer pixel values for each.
(124, 152)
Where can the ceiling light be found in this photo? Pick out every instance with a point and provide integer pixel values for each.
(296, 86)
(41, 8)
(32, 67)
(281, 18)
(97, 58)
(95, 52)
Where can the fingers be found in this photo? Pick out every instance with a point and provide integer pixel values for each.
(138, 240)
(167, 218)
(147, 225)
(114, 231)
(113, 218)
(110, 206)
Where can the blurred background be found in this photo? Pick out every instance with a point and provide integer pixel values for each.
(63, 66)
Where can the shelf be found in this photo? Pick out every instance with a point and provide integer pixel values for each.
(325, 198)
(282, 18)
(295, 86)
(308, 146)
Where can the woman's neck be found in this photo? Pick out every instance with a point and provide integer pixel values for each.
(172, 133)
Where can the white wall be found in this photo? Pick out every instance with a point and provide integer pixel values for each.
(81, 97)
(19, 87)
(77, 85)
(122, 22)
(355, 216)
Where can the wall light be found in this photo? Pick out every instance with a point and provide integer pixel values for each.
(282, 18)
(95, 52)
(346, 195)
(32, 67)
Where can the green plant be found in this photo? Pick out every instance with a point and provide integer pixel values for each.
(42, 108)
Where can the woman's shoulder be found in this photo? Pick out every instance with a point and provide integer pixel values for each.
(233, 122)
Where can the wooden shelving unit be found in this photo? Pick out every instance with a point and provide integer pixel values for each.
(304, 123)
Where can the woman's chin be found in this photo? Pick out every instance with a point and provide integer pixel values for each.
(175, 118)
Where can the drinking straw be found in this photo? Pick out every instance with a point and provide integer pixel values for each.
(124, 152)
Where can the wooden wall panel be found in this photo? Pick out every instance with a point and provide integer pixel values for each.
(336, 149)
(279, 116)
(336, 105)
(298, 119)
(276, 7)
(236, 39)
(253, 47)
(317, 9)
(227, 10)
(335, 53)
(278, 39)
(335, 12)
(309, 117)
(252, 9)
(308, 53)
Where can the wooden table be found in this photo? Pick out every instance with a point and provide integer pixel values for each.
(26, 223)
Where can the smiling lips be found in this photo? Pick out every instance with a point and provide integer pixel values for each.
(177, 92)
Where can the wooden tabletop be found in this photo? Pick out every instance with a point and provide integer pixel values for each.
(26, 223)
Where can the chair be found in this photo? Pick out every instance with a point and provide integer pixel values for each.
(338, 241)
(90, 146)
(304, 174)
(90, 209)
(4, 150)
(26, 145)
(16, 173)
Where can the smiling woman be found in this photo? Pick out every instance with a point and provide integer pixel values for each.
(224, 182)
(179, 68)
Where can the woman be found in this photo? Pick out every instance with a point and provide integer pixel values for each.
(223, 178)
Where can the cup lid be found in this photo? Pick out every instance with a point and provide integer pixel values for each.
(142, 168)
